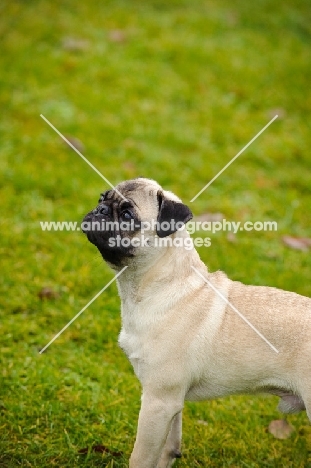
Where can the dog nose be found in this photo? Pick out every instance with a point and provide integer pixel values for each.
(102, 209)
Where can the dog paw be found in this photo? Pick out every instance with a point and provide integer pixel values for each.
(176, 454)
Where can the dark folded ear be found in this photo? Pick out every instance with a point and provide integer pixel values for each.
(172, 215)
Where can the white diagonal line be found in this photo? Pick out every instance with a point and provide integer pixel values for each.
(236, 310)
(81, 155)
(235, 157)
(82, 310)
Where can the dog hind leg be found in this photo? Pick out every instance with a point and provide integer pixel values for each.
(291, 404)
(172, 447)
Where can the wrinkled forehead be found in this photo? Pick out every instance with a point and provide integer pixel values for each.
(141, 193)
(139, 187)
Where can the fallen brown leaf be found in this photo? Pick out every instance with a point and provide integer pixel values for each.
(47, 293)
(74, 44)
(231, 237)
(75, 142)
(99, 448)
(116, 35)
(280, 429)
(297, 243)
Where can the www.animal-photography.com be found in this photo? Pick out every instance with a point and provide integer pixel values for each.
(155, 191)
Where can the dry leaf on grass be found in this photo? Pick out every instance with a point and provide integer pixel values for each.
(231, 237)
(75, 142)
(47, 293)
(99, 448)
(74, 44)
(280, 429)
(297, 243)
(116, 35)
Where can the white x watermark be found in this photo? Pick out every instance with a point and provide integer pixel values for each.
(235, 309)
(82, 310)
(194, 198)
(81, 156)
(233, 159)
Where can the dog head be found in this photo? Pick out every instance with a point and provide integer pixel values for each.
(127, 220)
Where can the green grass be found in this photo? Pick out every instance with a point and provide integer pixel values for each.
(191, 83)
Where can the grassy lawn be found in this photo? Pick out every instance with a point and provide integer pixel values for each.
(170, 90)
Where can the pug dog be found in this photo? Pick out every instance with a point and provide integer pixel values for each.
(181, 324)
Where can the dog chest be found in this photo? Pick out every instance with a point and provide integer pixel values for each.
(132, 347)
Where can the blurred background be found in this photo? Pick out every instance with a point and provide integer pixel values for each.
(166, 90)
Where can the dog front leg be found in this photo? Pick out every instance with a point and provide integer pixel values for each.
(172, 446)
(154, 424)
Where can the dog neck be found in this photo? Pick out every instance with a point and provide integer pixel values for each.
(158, 270)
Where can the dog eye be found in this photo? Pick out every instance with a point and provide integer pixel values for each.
(126, 215)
